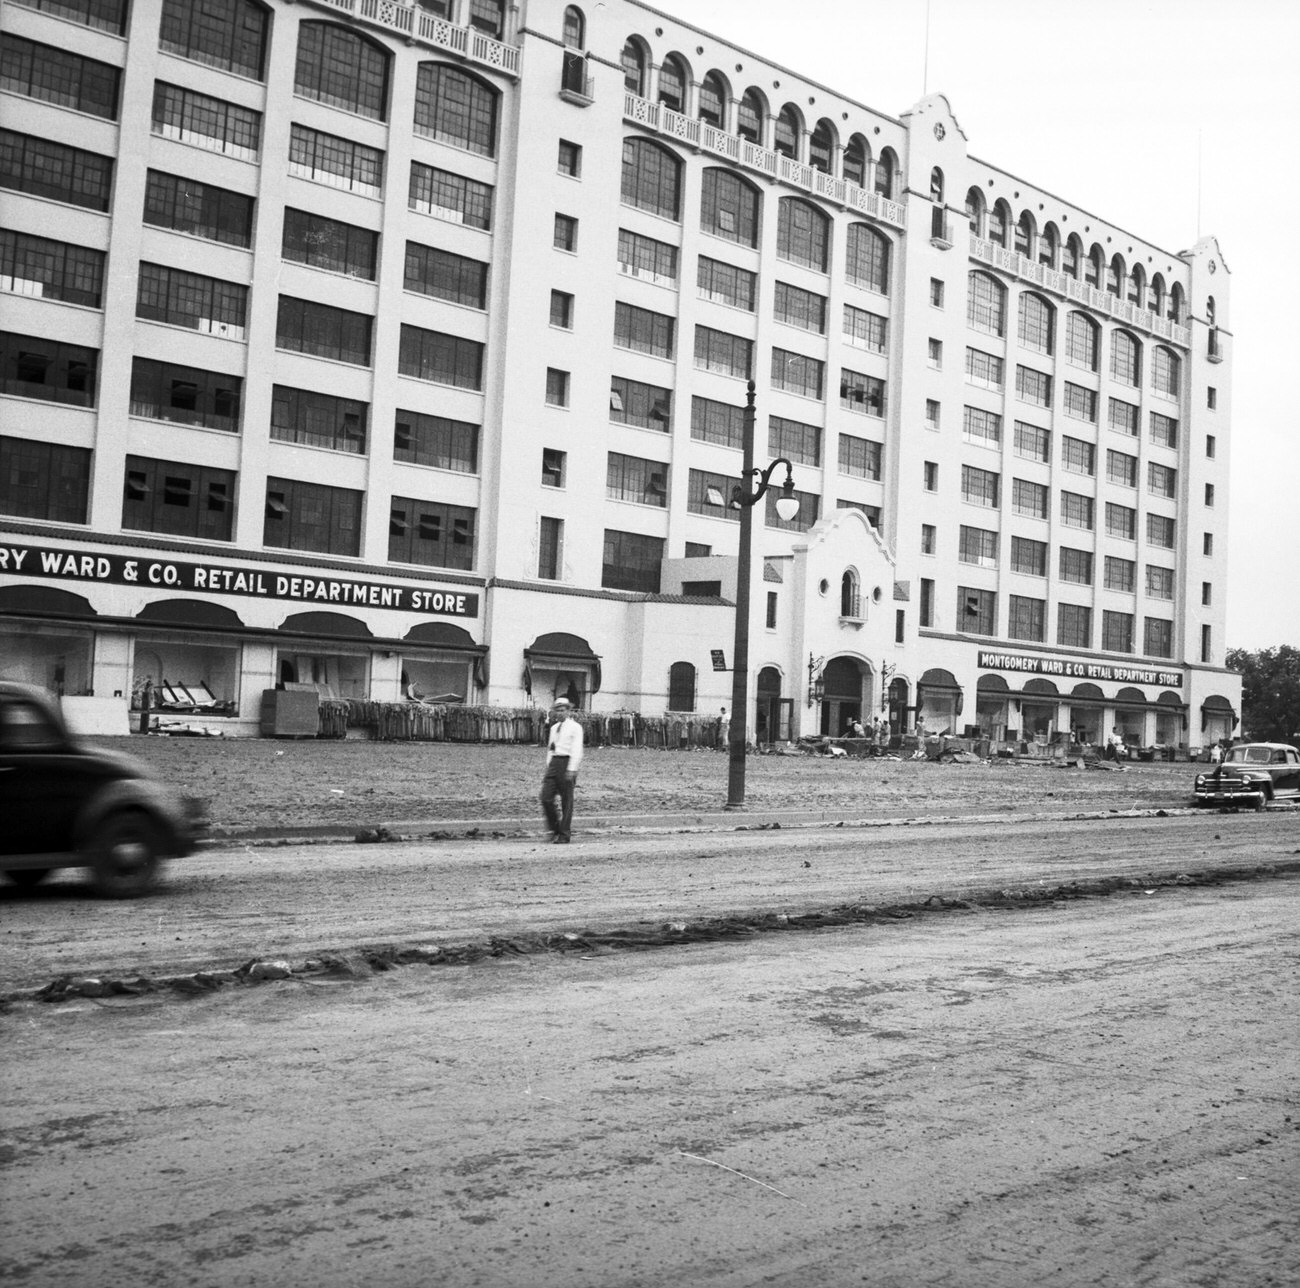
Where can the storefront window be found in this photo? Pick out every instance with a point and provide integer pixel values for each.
(57, 662)
(200, 679)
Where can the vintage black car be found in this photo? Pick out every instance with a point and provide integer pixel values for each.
(1252, 775)
(64, 803)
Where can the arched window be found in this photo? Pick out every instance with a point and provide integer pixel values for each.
(850, 595)
(1071, 255)
(788, 129)
(681, 687)
(342, 68)
(575, 28)
(1036, 323)
(1125, 359)
(986, 304)
(749, 117)
(1166, 368)
(999, 217)
(1115, 276)
(857, 160)
(1096, 264)
(936, 184)
(1081, 341)
(1156, 300)
(729, 207)
(866, 258)
(1025, 235)
(1137, 285)
(633, 60)
(713, 100)
(975, 211)
(1176, 302)
(886, 169)
(803, 234)
(652, 178)
(672, 83)
(1048, 245)
(821, 147)
(455, 107)
(230, 34)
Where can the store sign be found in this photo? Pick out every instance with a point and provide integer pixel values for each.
(218, 579)
(1079, 670)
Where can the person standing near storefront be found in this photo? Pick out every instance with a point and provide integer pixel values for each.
(563, 756)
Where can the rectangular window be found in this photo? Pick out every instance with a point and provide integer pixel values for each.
(865, 330)
(1121, 469)
(569, 159)
(561, 310)
(1211, 397)
(1080, 403)
(930, 476)
(1121, 521)
(932, 413)
(329, 244)
(1116, 632)
(439, 273)
(450, 196)
(550, 546)
(871, 511)
(58, 76)
(43, 480)
(1077, 510)
(37, 368)
(1074, 626)
(728, 355)
(794, 440)
(631, 561)
(926, 609)
(715, 422)
(1081, 342)
(709, 493)
(859, 457)
(1076, 566)
(983, 369)
(554, 465)
(340, 163)
(865, 394)
(977, 611)
(1078, 456)
(204, 304)
(643, 330)
(1207, 543)
(304, 326)
(1029, 557)
(634, 403)
(422, 439)
(1160, 531)
(726, 284)
(54, 170)
(1207, 593)
(312, 516)
(928, 538)
(632, 478)
(797, 307)
(1158, 637)
(936, 293)
(557, 387)
(1033, 443)
(1026, 618)
(1160, 582)
(934, 354)
(771, 610)
(225, 35)
(565, 236)
(981, 427)
(977, 546)
(1033, 386)
(431, 533)
(1210, 446)
(442, 359)
(201, 209)
(1161, 480)
(1123, 417)
(808, 513)
(1165, 372)
(644, 257)
(50, 270)
(318, 420)
(1164, 430)
(102, 15)
(182, 499)
(1029, 499)
(1209, 494)
(797, 374)
(185, 395)
(206, 122)
(979, 487)
(1120, 574)
(1207, 654)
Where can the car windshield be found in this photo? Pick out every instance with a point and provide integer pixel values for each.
(24, 727)
(1249, 755)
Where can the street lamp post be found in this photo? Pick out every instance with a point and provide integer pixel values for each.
(745, 496)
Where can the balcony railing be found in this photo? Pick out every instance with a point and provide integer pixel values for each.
(414, 23)
(708, 138)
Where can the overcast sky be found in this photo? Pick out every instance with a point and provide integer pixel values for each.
(1116, 105)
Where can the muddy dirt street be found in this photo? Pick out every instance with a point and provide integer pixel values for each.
(1100, 1092)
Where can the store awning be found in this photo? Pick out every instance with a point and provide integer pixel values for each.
(444, 635)
(1217, 705)
(1083, 694)
(190, 612)
(326, 626)
(992, 684)
(561, 651)
(1171, 700)
(1040, 689)
(937, 680)
(44, 601)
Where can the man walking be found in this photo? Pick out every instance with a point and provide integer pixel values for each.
(563, 756)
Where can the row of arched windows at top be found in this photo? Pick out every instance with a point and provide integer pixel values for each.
(752, 117)
(995, 223)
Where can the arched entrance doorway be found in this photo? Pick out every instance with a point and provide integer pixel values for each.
(846, 680)
(772, 713)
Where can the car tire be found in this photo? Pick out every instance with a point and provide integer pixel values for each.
(125, 855)
(26, 878)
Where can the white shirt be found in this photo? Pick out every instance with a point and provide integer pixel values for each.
(566, 740)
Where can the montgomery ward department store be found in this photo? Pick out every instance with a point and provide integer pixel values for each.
(391, 348)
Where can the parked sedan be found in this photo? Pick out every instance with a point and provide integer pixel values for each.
(64, 803)
(1252, 774)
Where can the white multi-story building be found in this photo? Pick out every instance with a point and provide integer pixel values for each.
(368, 344)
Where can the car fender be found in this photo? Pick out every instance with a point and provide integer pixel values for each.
(130, 793)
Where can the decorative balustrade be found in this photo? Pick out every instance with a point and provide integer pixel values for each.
(708, 138)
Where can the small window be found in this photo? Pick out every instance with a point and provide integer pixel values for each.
(1209, 494)
(1209, 446)
(566, 233)
(557, 387)
(569, 159)
(927, 538)
(936, 353)
(553, 463)
(562, 310)
(771, 610)
(931, 476)
(1211, 397)
(936, 293)
(932, 413)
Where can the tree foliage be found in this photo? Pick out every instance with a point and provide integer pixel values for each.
(1270, 692)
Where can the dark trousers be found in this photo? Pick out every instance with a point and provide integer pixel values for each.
(557, 783)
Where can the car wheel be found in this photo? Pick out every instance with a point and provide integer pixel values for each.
(27, 877)
(125, 855)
